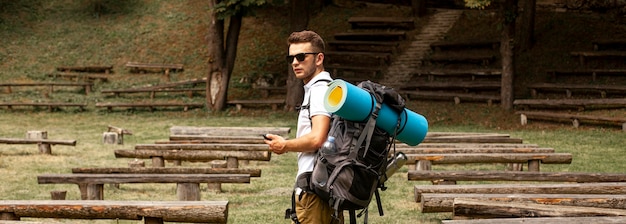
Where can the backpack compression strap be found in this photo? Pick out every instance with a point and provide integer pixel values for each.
(368, 131)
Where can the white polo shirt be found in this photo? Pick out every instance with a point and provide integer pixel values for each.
(314, 91)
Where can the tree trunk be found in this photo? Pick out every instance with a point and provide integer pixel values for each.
(509, 13)
(299, 20)
(527, 31)
(217, 69)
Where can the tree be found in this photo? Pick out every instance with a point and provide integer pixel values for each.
(223, 51)
(508, 13)
(298, 21)
(299, 13)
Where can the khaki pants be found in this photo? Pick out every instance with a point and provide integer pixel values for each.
(311, 209)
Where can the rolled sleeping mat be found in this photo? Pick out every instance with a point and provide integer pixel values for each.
(355, 104)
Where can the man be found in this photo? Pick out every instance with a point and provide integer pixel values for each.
(306, 56)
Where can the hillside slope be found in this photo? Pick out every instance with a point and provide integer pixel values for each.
(38, 36)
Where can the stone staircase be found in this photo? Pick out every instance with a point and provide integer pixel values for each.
(400, 69)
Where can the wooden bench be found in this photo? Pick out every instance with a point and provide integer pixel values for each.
(541, 220)
(462, 150)
(140, 67)
(151, 106)
(87, 86)
(115, 135)
(517, 188)
(580, 104)
(52, 106)
(274, 103)
(227, 131)
(91, 185)
(456, 97)
(483, 59)
(467, 208)
(437, 134)
(92, 69)
(354, 73)
(469, 145)
(232, 161)
(575, 119)
(159, 156)
(365, 46)
(582, 55)
(439, 150)
(358, 57)
(457, 45)
(594, 73)
(535, 176)
(152, 212)
(472, 139)
(473, 74)
(267, 90)
(195, 139)
(215, 169)
(532, 159)
(168, 170)
(179, 86)
(446, 202)
(535, 88)
(609, 44)
(189, 91)
(45, 145)
(80, 77)
(466, 86)
(372, 36)
(388, 22)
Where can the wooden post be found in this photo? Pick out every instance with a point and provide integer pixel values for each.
(514, 166)
(110, 138)
(95, 191)
(8, 216)
(58, 195)
(137, 163)
(232, 162)
(217, 187)
(152, 220)
(43, 148)
(167, 74)
(37, 135)
(188, 191)
(424, 165)
(533, 165)
(158, 161)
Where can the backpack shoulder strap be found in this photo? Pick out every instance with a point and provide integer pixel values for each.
(308, 104)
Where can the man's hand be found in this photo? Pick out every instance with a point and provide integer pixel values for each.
(276, 143)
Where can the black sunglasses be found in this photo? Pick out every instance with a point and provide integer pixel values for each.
(299, 57)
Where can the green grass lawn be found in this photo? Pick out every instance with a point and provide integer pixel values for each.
(38, 36)
(264, 199)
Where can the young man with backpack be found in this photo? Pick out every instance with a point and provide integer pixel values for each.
(306, 57)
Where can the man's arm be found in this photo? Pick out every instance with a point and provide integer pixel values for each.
(306, 143)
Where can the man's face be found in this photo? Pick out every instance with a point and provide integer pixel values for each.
(304, 69)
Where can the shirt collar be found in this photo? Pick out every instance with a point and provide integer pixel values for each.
(321, 75)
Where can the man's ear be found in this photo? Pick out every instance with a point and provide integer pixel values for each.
(320, 59)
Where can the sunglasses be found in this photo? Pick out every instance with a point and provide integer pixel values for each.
(299, 57)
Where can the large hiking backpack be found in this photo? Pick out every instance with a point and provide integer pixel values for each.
(349, 178)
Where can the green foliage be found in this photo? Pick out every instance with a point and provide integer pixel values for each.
(228, 8)
(477, 4)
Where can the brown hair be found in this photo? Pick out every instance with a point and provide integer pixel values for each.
(307, 36)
